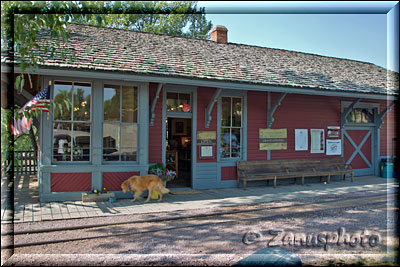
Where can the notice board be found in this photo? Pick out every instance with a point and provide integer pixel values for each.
(273, 139)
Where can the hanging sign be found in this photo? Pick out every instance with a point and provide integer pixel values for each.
(206, 137)
(273, 139)
(186, 107)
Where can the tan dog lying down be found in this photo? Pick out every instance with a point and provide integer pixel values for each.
(150, 182)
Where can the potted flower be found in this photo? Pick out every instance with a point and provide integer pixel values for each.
(161, 171)
(97, 195)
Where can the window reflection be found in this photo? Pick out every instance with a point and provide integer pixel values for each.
(71, 121)
(111, 103)
(231, 122)
(120, 123)
(361, 115)
(176, 101)
(81, 102)
(129, 104)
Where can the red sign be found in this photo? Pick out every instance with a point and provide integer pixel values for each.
(186, 108)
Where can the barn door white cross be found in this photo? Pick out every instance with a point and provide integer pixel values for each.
(358, 148)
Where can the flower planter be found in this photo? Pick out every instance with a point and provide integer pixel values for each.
(155, 193)
(90, 197)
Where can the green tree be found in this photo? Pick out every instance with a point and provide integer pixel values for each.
(23, 20)
(180, 18)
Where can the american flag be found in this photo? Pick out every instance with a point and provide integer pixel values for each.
(38, 102)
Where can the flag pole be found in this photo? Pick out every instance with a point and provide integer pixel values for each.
(48, 113)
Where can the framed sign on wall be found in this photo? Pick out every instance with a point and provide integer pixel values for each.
(334, 147)
(272, 139)
(301, 139)
(206, 137)
(333, 131)
(179, 127)
(317, 140)
(206, 152)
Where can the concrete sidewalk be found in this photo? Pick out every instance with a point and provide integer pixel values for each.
(27, 207)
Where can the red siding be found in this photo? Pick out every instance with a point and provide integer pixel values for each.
(228, 173)
(155, 131)
(389, 130)
(295, 112)
(204, 96)
(112, 180)
(256, 119)
(304, 112)
(71, 182)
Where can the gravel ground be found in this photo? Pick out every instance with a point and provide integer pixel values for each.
(223, 244)
(157, 215)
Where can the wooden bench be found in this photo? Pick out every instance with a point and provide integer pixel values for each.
(291, 168)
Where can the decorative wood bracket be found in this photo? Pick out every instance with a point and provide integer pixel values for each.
(348, 110)
(153, 104)
(210, 107)
(380, 116)
(273, 109)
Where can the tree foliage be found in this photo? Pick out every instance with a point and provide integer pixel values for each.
(180, 18)
(23, 20)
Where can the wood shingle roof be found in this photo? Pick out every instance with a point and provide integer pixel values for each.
(108, 49)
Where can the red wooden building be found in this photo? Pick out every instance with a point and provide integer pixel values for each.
(200, 106)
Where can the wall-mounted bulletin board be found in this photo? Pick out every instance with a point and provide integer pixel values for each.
(206, 140)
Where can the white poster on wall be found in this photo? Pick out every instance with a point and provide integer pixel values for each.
(301, 139)
(317, 141)
(334, 147)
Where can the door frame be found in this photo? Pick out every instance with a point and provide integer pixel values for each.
(371, 133)
(373, 127)
(193, 115)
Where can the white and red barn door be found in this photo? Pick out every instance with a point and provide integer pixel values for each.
(358, 149)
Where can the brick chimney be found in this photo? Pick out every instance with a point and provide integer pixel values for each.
(219, 34)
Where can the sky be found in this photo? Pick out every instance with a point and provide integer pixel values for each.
(360, 36)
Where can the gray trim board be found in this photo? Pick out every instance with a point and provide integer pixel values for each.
(207, 117)
(243, 141)
(154, 102)
(206, 83)
(348, 110)
(189, 115)
(380, 116)
(96, 165)
(271, 111)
